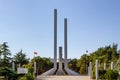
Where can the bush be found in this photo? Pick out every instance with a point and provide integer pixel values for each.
(12, 76)
(29, 77)
(23, 78)
(101, 74)
(93, 73)
(30, 69)
(111, 74)
(7, 73)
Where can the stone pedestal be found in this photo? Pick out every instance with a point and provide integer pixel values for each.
(112, 66)
(90, 69)
(104, 66)
(13, 66)
(96, 65)
(34, 67)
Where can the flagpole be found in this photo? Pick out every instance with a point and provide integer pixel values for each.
(35, 67)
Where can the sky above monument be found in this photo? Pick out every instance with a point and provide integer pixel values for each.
(28, 25)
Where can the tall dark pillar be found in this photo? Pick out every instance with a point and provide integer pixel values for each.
(65, 41)
(55, 38)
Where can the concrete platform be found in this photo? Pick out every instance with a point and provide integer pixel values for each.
(63, 78)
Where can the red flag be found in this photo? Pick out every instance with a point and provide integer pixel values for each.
(35, 52)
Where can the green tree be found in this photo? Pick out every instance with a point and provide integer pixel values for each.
(73, 64)
(43, 64)
(20, 58)
(117, 66)
(5, 53)
(0, 53)
(105, 54)
(83, 63)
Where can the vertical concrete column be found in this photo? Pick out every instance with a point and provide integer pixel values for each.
(90, 69)
(60, 57)
(13, 66)
(112, 65)
(97, 75)
(65, 41)
(55, 38)
(19, 65)
(104, 66)
(34, 67)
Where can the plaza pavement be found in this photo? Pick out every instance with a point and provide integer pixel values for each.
(63, 78)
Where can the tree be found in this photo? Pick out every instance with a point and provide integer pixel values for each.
(117, 66)
(73, 64)
(42, 64)
(20, 58)
(0, 53)
(83, 63)
(5, 52)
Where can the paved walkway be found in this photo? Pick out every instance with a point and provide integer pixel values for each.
(63, 78)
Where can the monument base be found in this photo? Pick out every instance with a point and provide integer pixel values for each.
(60, 72)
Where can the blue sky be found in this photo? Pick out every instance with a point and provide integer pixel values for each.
(28, 25)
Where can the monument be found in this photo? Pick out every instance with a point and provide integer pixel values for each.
(60, 69)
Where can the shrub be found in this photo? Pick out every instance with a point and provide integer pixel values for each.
(12, 76)
(7, 73)
(93, 73)
(101, 74)
(111, 74)
(23, 78)
(29, 77)
(30, 69)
